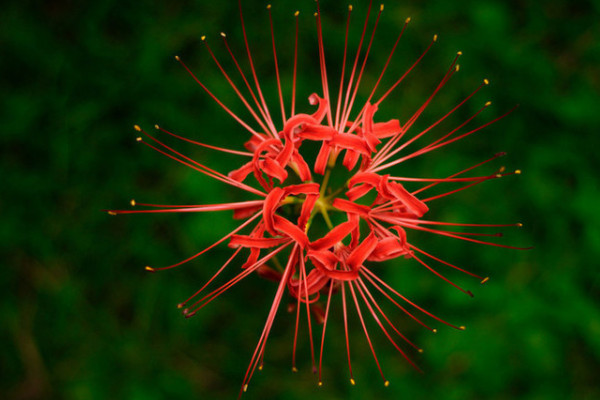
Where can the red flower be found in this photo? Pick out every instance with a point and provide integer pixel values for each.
(374, 213)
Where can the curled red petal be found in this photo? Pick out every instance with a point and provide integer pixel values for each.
(269, 273)
(255, 242)
(241, 173)
(307, 208)
(334, 236)
(388, 248)
(314, 99)
(242, 213)
(292, 231)
(322, 158)
(303, 188)
(301, 166)
(387, 129)
(414, 205)
(351, 142)
(273, 169)
(351, 207)
(270, 206)
(361, 252)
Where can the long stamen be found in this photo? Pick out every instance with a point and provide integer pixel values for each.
(339, 100)
(234, 87)
(447, 142)
(323, 65)
(208, 146)
(469, 185)
(395, 85)
(184, 303)
(416, 137)
(260, 95)
(271, 131)
(295, 65)
(294, 369)
(219, 102)
(310, 335)
(387, 63)
(351, 81)
(362, 69)
(411, 315)
(345, 312)
(364, 292)
(501, 154)
(208, 298)
(388, 146)
(444, 233)
(426, 148)
(196, 165)
(364, 326)
(446, 263)
(388, 287)
(324, 327)
(271, 317)
(224, 238)
(283, 118)
(202, 208)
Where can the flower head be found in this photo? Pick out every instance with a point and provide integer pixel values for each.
(334, 217)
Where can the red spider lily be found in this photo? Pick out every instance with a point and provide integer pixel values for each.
(376, 213)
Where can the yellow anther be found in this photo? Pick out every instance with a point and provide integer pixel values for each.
(352, 382)
(518, 172)
(177, 58)
(350, 7)
(520, 225)
(180, 305)
(132, 202)
(316, 14)
(420, 350)
(320, 383)
(434, 330)
(294, 369)
(203, 38)
(488, 103)
(260, 367)
(245, 387)
(457, 67)
(386, 383)
(407, 20)
(296, 13)
(223, 34)
(462, 327)
(147, 268)
(502, 169)
(486, 81)
(435, 37)
(268, 6)
(139, 139)
(484, 280)
(381, 7)
(137, 128)
(156, 126)
(112, 213)
(498, 175)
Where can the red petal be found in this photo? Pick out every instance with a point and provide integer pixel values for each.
(351, 207)
(334, 236)
(255, 242)
(270, 206)
(286, 227)
(361, 252)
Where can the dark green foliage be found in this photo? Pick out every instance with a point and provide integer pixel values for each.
(81, 319)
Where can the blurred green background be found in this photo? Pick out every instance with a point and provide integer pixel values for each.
(81, 319)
